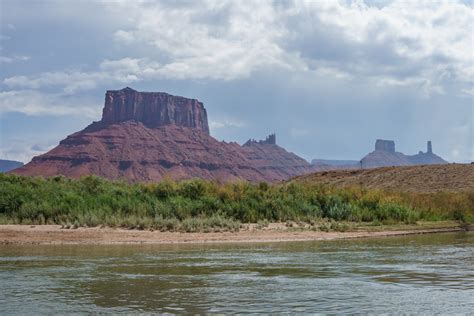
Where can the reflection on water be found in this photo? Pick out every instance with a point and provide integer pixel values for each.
(412, 274)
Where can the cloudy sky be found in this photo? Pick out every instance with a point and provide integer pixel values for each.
(328, 77)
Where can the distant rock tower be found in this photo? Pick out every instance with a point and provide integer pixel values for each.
(270, 139)
(429, 148)
(385, 145)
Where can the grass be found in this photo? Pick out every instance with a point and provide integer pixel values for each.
(205, 206)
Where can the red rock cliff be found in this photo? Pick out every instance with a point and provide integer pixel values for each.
(153, 109)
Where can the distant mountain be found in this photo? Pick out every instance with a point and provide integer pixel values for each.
(330, 164)
(385, 155)
(274, 160)
(333, 162)
(7, 165)
(145, 136)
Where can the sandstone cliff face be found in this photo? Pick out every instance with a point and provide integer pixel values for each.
(146, 136)
(153, 109)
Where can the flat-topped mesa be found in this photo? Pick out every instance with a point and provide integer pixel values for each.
(385, 145)
(269, 140)
(153, 109)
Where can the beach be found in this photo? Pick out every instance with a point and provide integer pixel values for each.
(275, 232)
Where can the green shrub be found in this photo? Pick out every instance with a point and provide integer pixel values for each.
(192, 189)
(165, 189)
(459, 215)
(199, 205)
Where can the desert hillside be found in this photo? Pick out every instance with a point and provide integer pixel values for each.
(425, 178)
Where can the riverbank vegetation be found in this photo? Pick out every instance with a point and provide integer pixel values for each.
(199, 205)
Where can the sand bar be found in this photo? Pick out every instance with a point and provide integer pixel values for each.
(55, 235)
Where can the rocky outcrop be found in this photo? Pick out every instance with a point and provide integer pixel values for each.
(273, 160)
(145, 136)
(153, 109)
(7, 165)
(386, 156)
(269, 140)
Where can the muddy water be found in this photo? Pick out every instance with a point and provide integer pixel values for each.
(412, 274)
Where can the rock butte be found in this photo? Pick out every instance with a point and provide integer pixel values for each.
(384, 155)
(145, 136)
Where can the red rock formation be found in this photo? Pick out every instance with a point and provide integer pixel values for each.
(153, 109)
(146, 136)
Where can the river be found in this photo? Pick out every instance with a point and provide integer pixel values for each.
(411, 274)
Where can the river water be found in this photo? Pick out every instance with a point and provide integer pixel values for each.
(412, 274)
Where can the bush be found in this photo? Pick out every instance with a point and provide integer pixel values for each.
(459, 215)
(336, 209)
(199, 205)
(165, 189)
(192, 189)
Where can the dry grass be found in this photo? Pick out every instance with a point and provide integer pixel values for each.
(419, 179)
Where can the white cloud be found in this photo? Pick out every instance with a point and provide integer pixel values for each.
(225, 123)
(468, 91)
(72, 81)
(228, 40)
(124, 37)
(8, 60)
(404, 42)
(22, 151)
(420, 43)
(31, 102)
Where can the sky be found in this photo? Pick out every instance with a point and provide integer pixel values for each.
(328, 77)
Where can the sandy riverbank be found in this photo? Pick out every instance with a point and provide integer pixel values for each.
(54, 234)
